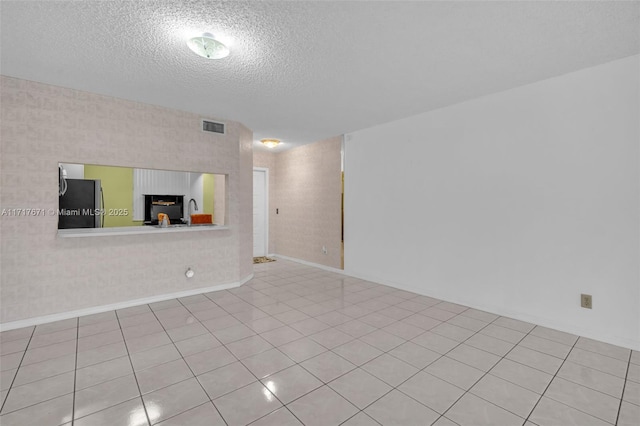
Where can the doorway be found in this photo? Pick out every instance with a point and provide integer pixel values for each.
(260, 211)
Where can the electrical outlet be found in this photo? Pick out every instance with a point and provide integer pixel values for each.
(324, 250)
(585, 301)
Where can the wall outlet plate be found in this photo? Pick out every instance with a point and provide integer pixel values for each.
(586, 301)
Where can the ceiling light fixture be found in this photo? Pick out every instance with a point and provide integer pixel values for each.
(270, 143)
(208, 47)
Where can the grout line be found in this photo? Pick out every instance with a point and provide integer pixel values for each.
(383, 352)
(481, 377)
(554, 375)
(361, 411)
(295, 362)
(378, 356)
(6, 397)
(187, 364)
(240, 361)
(572, 380)
(45, 400)
(596, 368)
(624, 385)
(75, 374)
(47, 345)
(551, 381)
(405, 340)
(135, 376)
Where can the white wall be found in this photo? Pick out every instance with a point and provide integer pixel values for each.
(74, 171)
(514, 203)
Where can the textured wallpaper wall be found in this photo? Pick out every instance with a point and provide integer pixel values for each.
(42, 274)
(305, 185)
(245, 200)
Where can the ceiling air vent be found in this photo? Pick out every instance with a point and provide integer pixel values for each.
(212, 126)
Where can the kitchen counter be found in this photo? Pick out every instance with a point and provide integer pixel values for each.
(135, 230)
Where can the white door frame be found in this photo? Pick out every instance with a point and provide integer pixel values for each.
(265, 170)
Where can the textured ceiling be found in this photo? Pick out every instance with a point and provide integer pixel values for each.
(303, 71)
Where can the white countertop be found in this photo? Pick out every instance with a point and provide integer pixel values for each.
(135, 230)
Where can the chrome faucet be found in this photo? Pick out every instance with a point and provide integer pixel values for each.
(195, 205)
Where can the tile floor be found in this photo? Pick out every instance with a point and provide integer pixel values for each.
(299, 345)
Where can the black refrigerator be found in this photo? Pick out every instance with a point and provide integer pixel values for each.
(80, 206)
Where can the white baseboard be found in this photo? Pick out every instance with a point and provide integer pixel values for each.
(498, 310)
(304, 262)
(603, 337)
(120, 305)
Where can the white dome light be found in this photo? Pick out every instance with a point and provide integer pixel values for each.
(270, 143)
(208, 47)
